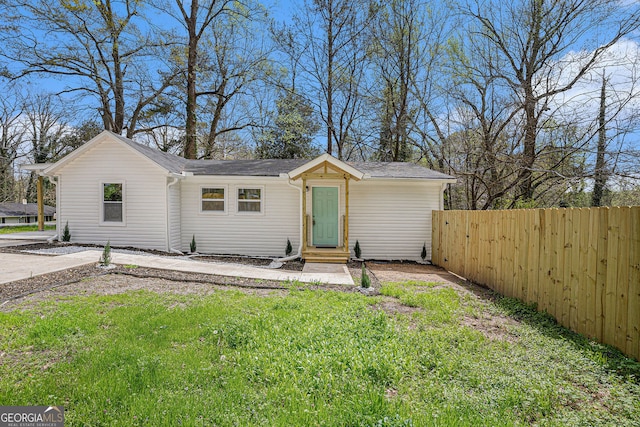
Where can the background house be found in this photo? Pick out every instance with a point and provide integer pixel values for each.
(19, 213)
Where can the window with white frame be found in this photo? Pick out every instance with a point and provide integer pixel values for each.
(249, 199)
(113, 202)
(212, 199)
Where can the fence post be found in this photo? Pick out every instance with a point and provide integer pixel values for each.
(609, 313)
(633, 343)
(601, 272)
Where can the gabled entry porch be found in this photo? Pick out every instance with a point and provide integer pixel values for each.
(325, 207)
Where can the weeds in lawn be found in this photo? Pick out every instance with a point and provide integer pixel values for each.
(306, 358)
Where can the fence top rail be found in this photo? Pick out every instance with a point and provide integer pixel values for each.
(602, 208)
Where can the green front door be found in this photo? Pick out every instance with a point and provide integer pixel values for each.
(325, 216)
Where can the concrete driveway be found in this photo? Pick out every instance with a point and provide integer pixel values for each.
(23, 266)
(25, 238)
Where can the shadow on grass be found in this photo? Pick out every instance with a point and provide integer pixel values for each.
(610, 357)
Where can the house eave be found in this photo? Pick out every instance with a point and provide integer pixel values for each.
(36, 167)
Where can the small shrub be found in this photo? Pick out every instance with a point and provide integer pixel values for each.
(289, 248)
(105, 259)
(365, 280)
(66, 234)
(357, 249)
(192, 246)
(423, 254)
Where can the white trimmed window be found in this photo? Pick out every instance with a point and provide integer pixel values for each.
(113, 202)
(212, 199)
(250, 200)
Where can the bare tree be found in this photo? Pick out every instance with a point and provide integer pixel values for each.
(429, 121)
(397, 29)
(532, 37)
(11, 134)
(196, 17)
(96, 48)
(46, 124)
(234, 62)
(335, 63)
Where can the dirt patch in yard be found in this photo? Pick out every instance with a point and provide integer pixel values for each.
(399, 272)
(113, 284)
(90, 279)
(392, 306)
(491, 325)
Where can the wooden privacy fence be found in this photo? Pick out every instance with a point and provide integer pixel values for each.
(582, 266)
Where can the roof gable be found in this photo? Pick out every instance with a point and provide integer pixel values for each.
(167, 162)
(329, 161)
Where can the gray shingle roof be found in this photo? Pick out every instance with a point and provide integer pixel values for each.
(20, 210)
(170, 162)
(397, 170)
(274, 167)
(271, 167)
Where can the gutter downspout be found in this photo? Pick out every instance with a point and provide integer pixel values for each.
(169, 248)
(54, 180)
(299, 253)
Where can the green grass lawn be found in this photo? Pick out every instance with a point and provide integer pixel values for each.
(308, 358)
(23, 228)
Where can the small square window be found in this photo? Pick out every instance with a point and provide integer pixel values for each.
(249, 200)
(212, 199)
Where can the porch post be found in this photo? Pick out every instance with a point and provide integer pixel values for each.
(40, 203)
(304, 213)
(346, 213)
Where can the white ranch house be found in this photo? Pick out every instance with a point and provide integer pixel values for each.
(115, 189)
(23, 213)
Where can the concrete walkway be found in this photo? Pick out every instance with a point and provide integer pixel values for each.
(21, 266)
(29, 235)
(25, 238)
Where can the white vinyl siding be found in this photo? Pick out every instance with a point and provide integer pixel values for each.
(392, 218)
(145, 198)
(242, 233)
